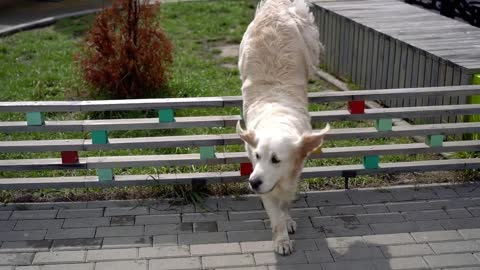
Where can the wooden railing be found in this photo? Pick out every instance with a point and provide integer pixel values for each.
(98, 129)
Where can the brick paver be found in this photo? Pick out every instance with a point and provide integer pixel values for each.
(386, 229)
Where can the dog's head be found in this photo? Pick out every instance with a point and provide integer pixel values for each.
(278, 159)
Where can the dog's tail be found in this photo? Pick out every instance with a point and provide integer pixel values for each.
(314, 54)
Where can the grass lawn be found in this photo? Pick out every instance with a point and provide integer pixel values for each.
(38, 65)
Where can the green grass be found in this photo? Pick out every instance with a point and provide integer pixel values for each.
(38, 65)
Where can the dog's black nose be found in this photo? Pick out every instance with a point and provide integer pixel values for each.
(255, 183)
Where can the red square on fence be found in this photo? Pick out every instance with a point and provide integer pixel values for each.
(69, 157)
(356, 106)
(246, 169)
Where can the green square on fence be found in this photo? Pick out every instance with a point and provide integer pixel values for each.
(35, 119)
(435, 140)
(371, 162)
(166, 116)
(383, 124)
(207, 152)
(99, 137)
(105, 175)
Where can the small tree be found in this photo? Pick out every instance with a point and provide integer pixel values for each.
(126, 54)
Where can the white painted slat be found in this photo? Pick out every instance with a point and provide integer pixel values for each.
(226, 177)
(231, 120)
(228, 139)
(227, 158)
(175, 103)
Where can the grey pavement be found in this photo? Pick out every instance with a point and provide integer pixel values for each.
(407, 227)
(18, 15)
(15, 12)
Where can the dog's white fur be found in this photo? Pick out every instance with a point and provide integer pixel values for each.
(278, 53)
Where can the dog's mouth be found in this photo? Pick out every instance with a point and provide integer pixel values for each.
(264, 192)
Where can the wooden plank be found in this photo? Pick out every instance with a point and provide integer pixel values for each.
(109, 105)
(370, 63)
(152, 123)
(50, 126)
(401, 112)
(425, 67)
(40, 164)
(336, 44)
(359, 54)
(448, 100)
(330, 40)
(403, 66)
(408, 101)
(396, 69)
(40, 106)
(391, 65)
(41, 146)
(224, 177)
(145, 104)
(350, 61)
(230, 121)
(364, 66)
(456, 81)
(355, 53)
(415, 101)
(375, 62)
(437, 34)
(421, 76)
(383, 63)
(227, 139)
(434, 82)
(229, 157)
(342, 46)
(318, 97)
(441, 82)
(324, 25)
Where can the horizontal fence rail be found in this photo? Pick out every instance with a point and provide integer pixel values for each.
(440, 138)
(230, 177)
(227, 139)
(228, 101)
(226, 158)
(231, 120)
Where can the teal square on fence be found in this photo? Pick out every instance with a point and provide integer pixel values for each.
(383, 124)
(166, 116)
(99, 137)
(35, 119)
(105, 175)
(207, 152)
(371, 162)
(435, 140)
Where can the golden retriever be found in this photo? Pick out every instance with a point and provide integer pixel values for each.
(278, 53)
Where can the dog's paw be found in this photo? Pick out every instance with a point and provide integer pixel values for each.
(291, 226)
(283, 247)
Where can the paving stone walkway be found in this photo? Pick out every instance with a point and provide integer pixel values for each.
(430, 227)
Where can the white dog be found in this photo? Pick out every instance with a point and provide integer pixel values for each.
(278, 53)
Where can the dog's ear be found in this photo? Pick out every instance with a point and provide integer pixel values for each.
(247, 136)
(312, 141)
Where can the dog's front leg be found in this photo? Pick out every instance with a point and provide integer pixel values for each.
(291, 224)
(278, 221)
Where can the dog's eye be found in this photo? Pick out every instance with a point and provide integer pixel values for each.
(275, 160)
(257, 155)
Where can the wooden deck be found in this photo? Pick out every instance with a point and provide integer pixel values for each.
(381, 44)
